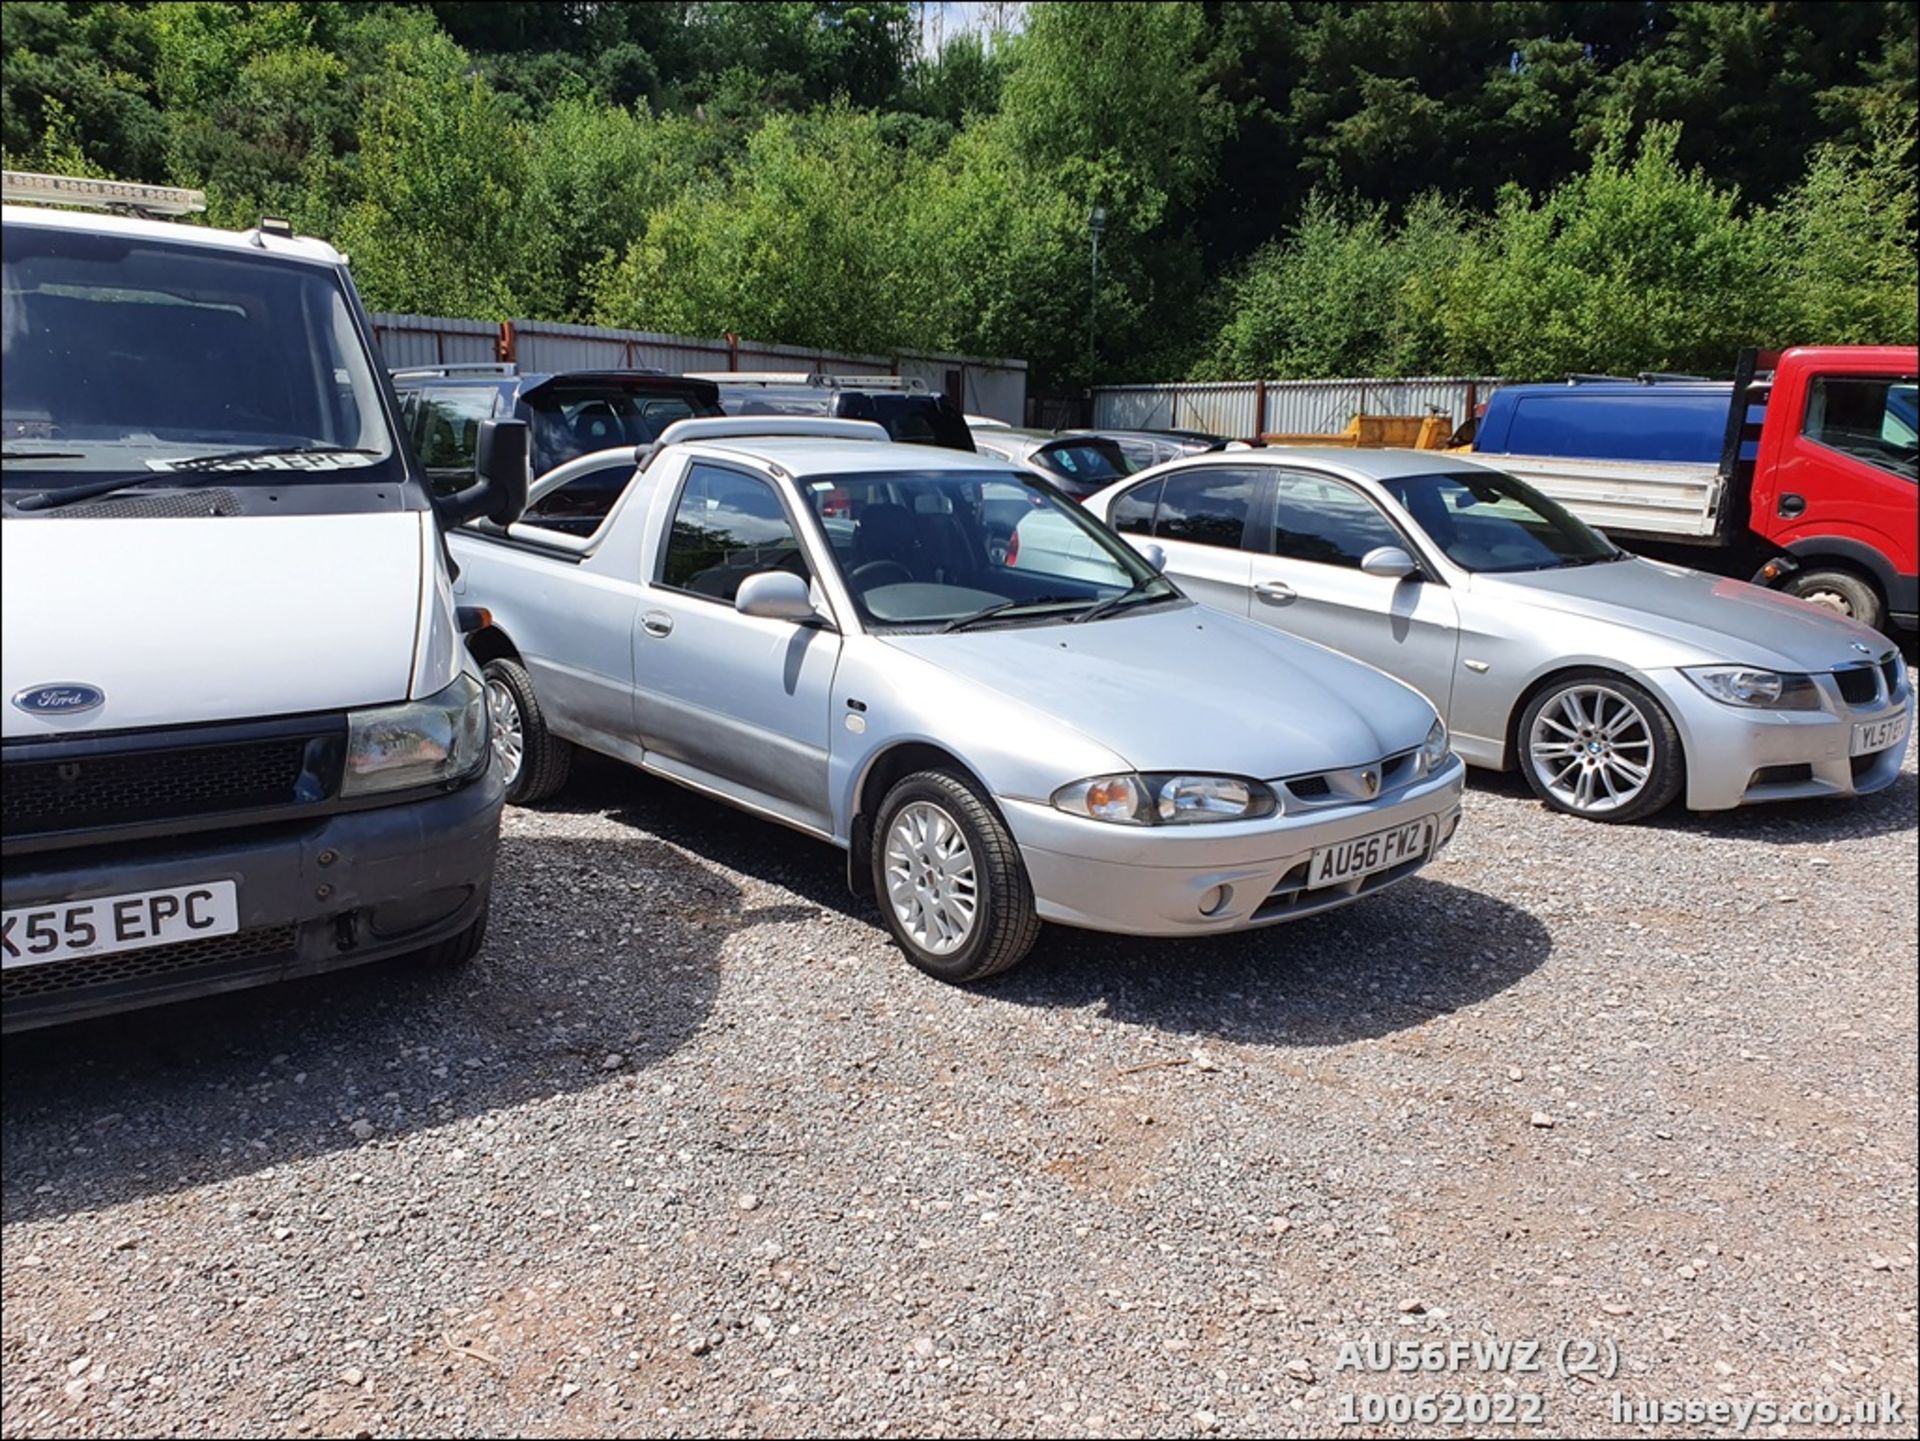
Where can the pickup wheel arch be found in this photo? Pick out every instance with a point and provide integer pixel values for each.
(883, 772)
(492, 644)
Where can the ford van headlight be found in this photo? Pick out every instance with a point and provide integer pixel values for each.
(1434, 749)
(1167, 799)
(435, 741)
(1755, 689)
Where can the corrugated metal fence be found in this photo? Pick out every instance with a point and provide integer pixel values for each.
(978, 385)
(1311, 407)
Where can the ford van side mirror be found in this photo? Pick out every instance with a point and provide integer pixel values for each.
(775, 595)
(499, 490)
(1154, 556)
(1389, 562)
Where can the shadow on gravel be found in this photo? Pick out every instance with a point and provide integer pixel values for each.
(151, 1102)
(713, 831)
(1420, 950)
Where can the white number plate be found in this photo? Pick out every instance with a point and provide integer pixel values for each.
(1877, 735)
(1364, 855)
(63, 930)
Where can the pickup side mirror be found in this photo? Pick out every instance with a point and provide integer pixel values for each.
(1154, 556)
(775, 595)
(1388, 561)
(499, 490)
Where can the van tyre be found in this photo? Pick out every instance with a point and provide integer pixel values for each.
(533, 762)
(949, 879)
(1597, 746)
(457, 950)
(1838, 590)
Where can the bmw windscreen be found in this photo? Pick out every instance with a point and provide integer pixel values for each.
(131, 363)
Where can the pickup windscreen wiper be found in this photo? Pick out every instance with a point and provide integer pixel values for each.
(68, 494)
(1005, 607)
(1135, 594)
(41, 455)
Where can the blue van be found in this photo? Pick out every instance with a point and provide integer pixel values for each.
(1680, 422)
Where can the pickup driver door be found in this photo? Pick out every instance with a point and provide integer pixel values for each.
(733, 703)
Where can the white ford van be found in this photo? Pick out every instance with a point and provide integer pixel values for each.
(243, 739)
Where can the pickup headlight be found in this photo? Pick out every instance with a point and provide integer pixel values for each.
(1755, 689)
(1167, 799)
(438, 740)
(1435, 748)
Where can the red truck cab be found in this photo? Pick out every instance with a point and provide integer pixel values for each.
(1833, 483)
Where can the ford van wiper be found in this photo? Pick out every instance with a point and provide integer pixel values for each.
(962, 622)
(68, 494)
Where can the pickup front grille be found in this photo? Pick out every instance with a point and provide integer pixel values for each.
(1355, 785)
(81, 791)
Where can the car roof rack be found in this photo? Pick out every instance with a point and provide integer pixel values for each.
(25, 187)
(463, 368)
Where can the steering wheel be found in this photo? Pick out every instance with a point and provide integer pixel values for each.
(880, 572)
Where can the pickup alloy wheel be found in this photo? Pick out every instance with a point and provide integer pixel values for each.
(533, 761)
(949, 879)
(1599, 747)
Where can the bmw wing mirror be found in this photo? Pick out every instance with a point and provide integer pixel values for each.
(1389, 562)
(1154, 556)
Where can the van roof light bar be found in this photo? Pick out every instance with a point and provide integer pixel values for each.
(22, 187)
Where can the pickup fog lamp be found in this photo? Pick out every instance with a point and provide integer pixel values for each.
(435, 741)
(1755, 689)
(1166, 799)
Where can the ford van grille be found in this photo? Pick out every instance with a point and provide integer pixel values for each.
(69, 791)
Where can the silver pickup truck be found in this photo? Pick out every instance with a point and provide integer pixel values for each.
(938, 662)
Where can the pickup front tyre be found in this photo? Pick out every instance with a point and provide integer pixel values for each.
(457, 950)
(1597, 746)
(1838, 590)
(949, 879)
(533, 761)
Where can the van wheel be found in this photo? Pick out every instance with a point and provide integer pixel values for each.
(1838, 590)
(949, 879)
(1599, 747)
(533, 761)
(457, 950)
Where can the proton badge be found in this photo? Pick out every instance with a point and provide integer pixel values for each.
(64, 698)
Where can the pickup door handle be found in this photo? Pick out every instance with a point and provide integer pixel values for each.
(1276, 592)
(657, 622)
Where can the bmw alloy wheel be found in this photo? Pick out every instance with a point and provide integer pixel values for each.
(931, 880)
(509, 736)
(1592, 748)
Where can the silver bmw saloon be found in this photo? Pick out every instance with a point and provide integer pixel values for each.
(1617, 685)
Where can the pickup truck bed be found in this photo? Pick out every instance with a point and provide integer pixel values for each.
(1626, 497)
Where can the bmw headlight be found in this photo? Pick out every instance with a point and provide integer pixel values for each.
(1435, 748)
(1167, 799)
(1755, 689)
(438, 740)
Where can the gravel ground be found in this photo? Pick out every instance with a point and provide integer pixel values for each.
(689, 1149)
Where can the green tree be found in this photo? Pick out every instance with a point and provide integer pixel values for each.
(86, 72)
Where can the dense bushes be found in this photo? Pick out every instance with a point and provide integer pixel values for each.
(1290, 189)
